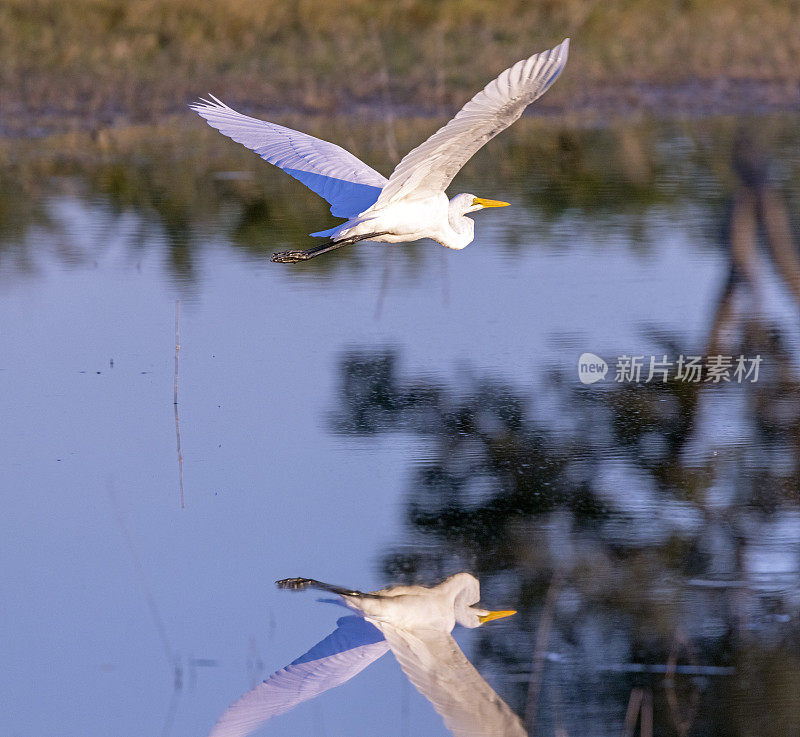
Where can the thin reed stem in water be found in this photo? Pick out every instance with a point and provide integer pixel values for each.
(175, 399)
(542, 637)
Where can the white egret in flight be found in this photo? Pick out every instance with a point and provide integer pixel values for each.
(410, 204)
(414, 622)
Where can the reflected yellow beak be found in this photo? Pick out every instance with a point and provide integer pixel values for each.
(484, 618)
(489, 203)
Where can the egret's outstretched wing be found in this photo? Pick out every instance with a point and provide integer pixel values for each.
(439, 670)
(431, 166)
(333, 173)
(341, 655)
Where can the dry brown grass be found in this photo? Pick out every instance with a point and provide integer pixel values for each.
(134, 60)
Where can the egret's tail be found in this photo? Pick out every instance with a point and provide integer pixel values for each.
(326, 233)
(298, 584)
(334, 233)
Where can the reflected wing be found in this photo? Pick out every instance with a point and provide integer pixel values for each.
(325, 168)
(341, 655)
(431, 166)
(439, 670)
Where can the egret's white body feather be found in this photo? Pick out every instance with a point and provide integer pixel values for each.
(411, 204)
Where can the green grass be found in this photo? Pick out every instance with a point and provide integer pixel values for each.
(134, 60)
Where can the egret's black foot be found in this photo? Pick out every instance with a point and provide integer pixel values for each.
(291, 257)
(295, 584)
(298, 584)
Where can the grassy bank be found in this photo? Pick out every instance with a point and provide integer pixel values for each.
(107, 60)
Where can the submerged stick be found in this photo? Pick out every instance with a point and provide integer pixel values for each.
(175, 399)
(143, 581)
(383, 77)
(634, 707)
(542, 636)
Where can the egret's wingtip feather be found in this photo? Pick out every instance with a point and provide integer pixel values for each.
(201, 104)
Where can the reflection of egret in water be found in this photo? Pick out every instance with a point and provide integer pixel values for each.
(415, 623)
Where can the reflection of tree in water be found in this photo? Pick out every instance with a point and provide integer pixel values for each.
(651, 535)
(668, 514)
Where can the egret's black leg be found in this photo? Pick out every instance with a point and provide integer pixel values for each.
(292, 257)
(298, 584)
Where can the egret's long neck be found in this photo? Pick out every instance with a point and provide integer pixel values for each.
(463, 229)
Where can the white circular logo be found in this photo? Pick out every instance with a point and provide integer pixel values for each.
(591, 368)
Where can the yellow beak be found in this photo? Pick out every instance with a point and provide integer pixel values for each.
(484, 618)
(489, 203)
